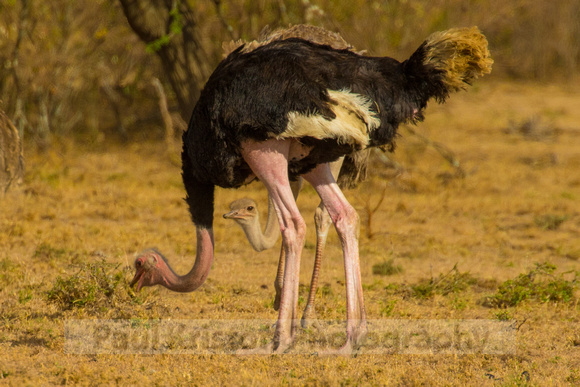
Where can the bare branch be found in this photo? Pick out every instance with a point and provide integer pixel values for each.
(443, 150)
(167, 120)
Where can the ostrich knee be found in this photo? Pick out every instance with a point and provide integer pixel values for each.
(294, 234)
(347, 222)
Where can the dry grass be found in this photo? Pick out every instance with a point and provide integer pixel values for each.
(517, 205)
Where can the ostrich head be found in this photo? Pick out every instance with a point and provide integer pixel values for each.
(150, 269)
(243, 211)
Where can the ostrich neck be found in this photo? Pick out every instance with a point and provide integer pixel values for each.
(262, 241)
(200, 270)
(272, 228)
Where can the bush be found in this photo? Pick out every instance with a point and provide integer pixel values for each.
(95, 284)
(387, 268)
(538, 284)
(452, 282)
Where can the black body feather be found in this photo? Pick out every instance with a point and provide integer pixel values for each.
(250, 95)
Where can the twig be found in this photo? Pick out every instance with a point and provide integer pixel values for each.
(443, 150)
(228, 27)
(371, 211)
(387, 161)
(23, 20)
(167, 120)
(283, 12)
(441, 278)
(522, 323)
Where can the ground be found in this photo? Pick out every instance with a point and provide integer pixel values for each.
(441, 245)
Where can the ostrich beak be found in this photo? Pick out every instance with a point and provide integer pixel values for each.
(235, 214)
(138, 279)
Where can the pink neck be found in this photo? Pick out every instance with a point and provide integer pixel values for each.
(200, 270)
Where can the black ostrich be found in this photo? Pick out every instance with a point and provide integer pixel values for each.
(288, 109)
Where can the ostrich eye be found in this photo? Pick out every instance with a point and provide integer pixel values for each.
(250, 208)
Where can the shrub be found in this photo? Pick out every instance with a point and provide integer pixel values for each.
(387, 268)
(94, 284)
(452, 282)
(550, 221)
(538, 284)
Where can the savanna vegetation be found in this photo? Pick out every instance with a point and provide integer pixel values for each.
(475, 216)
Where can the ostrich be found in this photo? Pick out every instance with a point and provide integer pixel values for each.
(288, 109)
(245, 211)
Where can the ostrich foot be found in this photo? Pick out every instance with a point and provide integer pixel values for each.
(282, 348)
(284, 336)
(268, 349)
(354, 340)
(309, 319)
(346, 350)
(356, 334)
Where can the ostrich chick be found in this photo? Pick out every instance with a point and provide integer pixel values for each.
(245, 213)
(288, 109)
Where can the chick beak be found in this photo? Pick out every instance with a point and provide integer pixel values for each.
(235, 214)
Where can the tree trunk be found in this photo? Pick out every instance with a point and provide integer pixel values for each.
(11, 160)
(169, 28)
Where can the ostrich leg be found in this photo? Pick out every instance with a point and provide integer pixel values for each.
(322, 222)
(279, 281)
(346, 222)
(269, 162)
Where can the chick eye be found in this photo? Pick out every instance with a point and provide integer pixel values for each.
(250, 208)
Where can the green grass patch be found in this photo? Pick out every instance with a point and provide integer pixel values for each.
(539, 284)
(387, 307)
(574, 377)
(24, 295)
(47, 252)
(550, 221)
(503, 315)
(452, 282)
(326, 290)
(10, 271)
(387, 268)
